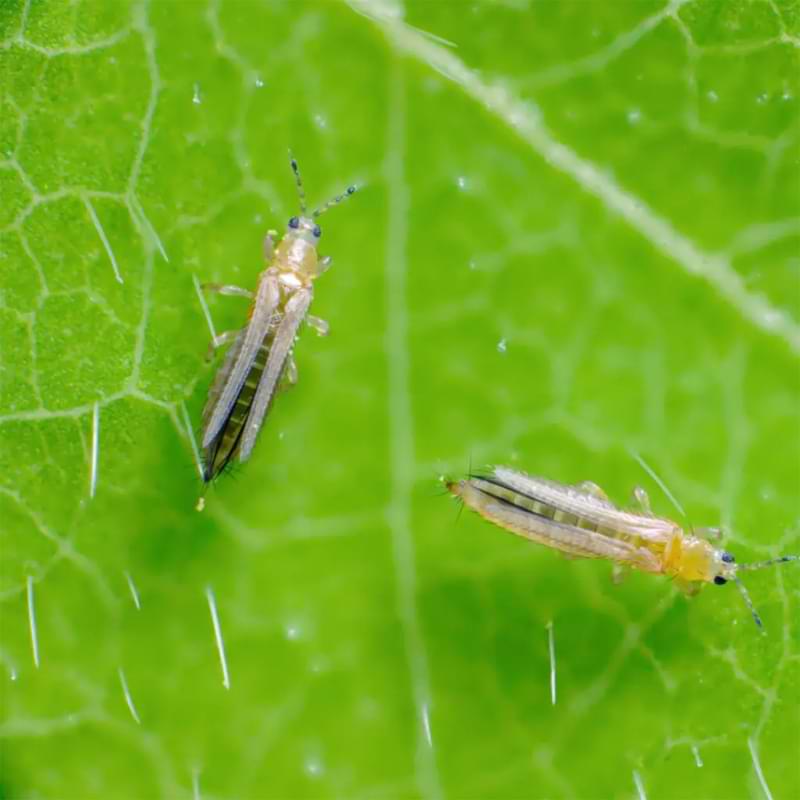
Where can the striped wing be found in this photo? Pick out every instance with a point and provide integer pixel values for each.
(221, 378)
(293, 314)
(569, 539)
(573, 500)
(266, 303)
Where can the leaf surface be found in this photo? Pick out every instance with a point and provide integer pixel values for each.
(576, 238)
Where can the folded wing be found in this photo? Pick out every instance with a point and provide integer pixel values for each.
(266, 303)
(574, 500)
(294, 312)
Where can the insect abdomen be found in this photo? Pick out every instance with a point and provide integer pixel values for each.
(226, 445)
(546, 510)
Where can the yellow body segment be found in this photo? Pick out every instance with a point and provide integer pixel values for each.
(297, 257)
(689, 559)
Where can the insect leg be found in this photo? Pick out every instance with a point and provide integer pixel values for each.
(291, 370)
(641, 499)
(289, 375)
(269, 245)
(592, 488)
(714, 534)
(689, 588)
(220, 341)
(324, 264)
(319, 325)
(226, 289)
(619, 572)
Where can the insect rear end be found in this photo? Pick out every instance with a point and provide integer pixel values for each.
(223, 449)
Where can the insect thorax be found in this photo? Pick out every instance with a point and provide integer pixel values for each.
(689, 558)
(296, 254)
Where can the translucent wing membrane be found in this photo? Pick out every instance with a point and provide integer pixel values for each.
(513, 511)
(226, 445)
(265, 306)
(294, 312)
(576, 501)
(221, 378)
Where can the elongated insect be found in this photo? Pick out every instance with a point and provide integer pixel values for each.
(581, 522)
(260, 361)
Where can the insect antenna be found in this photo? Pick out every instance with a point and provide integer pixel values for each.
(301, 192)
(759, 565)
(334, 201)
(768, 563)
(749, 603)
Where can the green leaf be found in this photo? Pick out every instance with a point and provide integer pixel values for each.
(577, 238)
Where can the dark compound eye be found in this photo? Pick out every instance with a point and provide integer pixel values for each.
(317, 231)
(719, 580)
(294, 222)
(728, 558)
(351, 189)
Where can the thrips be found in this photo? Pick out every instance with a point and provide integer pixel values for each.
(260, 362)
(581, 522)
